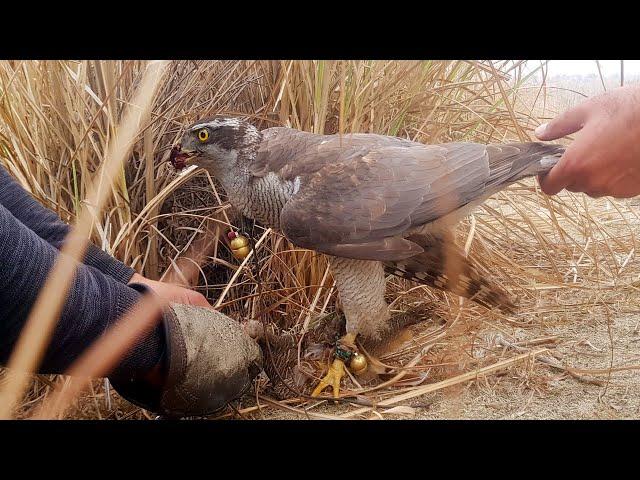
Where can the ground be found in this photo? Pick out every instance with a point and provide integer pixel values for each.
(536, 391)
(523, 391)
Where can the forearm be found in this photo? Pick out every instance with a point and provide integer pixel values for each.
(95, 301)
(48, 226)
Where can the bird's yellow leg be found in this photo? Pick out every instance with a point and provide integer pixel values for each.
(349, 340)
(336, 370)
(333, 378)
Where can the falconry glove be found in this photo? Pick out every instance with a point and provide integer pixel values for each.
(210, 361)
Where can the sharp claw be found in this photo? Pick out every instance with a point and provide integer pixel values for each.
(318, 390)
(321, 386)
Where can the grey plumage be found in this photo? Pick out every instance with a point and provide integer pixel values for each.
(368, 197)
(358, 201)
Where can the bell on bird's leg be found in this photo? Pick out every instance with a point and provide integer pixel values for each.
(358, 363)
(239, 245)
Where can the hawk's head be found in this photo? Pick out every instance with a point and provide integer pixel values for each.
(216, 143)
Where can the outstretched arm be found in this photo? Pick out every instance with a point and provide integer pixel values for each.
(604, 158)
(48, 226)
(192, 363)
(95, 301)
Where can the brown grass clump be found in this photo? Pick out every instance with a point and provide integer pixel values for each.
(564, 257)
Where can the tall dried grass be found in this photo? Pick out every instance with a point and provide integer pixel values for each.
(57, 118)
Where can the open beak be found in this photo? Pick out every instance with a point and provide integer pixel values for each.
(180, 158)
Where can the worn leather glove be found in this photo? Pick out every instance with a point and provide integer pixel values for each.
(210, 361)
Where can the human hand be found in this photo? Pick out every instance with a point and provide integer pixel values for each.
(170, 292)
(604, 158)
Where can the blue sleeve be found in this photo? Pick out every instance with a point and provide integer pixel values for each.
(95, 301)
(48, 226)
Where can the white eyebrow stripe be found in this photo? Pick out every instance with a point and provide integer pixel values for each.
(200, 125)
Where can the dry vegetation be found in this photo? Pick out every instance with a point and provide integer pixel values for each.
(565, 257)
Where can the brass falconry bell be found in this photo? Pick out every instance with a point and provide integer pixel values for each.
(239, 245)
(358, 363)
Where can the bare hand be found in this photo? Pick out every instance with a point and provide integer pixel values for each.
(604, 158)
(172, 293)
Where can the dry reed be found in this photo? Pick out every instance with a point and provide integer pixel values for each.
(561, 256)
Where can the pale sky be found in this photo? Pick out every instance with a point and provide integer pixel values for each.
(610, 68)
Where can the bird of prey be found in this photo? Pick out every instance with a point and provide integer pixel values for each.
(374, 204)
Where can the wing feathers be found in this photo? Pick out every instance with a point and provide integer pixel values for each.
(359, 194)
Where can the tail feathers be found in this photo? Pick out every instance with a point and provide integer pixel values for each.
(443, 265)
(514, 161)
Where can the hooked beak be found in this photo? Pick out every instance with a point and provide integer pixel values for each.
(179, 158)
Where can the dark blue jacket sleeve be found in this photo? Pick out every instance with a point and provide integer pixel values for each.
(48, 226)
(95, 302)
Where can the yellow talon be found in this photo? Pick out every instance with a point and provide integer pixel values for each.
(333, 378)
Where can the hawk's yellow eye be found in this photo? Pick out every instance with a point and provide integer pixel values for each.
(203, 135)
